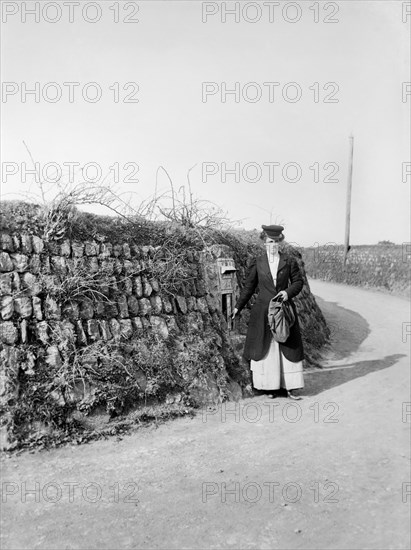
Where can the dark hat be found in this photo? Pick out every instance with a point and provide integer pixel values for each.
(274, 231)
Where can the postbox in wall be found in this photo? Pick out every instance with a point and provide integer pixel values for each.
(227, 286)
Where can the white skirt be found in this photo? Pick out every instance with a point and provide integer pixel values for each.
(274, 371)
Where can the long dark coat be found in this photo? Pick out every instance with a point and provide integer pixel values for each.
(259, 335)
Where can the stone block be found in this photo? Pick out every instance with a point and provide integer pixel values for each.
(42, 332)
(126, 328)
(16, 242)
(146, 324)
(53, 248)
(122, 306)
(15, 282)
(110, 309)
(65, 248)
(92, 264)
(38, 244)
(79, 264)
(6, 263)
(23, 307)
(137, 324)
(24, 332)
(159, 326)
(117, 250)
(107, 266)
(127, 286)
(31, 284)
(20, 262)
(168, 308)
(7, 307)
(52, 309)
(77, 249)
(118, 266)
(91, 248)
(115, 328)
(37, 312)
(147, 288)
(156, 304)
(132, 303)
(6, 242)
(35, 264)
(155, 285)
(145, 306)
(113, 284)
(5, 284)
(212, 302)
(204, 391)
(26, 245)
(67, 331)
(93, 330)
(138, 286)
(128, 267)
(8, 333)
(181, 304)
(202, 305)
(106, 250)
(191, 303)
(53, 357)
(86, 309)
(105, 330)
(172, 324)
(136, 266)
(50, 283)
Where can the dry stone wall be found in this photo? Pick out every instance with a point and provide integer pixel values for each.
(91, 303)
(130, 298)
(89, 326)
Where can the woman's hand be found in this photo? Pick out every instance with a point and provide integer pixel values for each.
(282, 295)
(234, 313)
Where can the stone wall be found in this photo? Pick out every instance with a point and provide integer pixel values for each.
(382, 266)
(90, 327)
(131, 300)
(87, 303)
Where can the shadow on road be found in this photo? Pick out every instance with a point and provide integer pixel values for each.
(320, 380)
(348, 329)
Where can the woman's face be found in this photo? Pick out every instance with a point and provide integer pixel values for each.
(271, 244)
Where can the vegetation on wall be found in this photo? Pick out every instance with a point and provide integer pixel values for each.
(55, 385)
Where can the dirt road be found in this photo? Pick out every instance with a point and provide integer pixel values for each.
(329, 472)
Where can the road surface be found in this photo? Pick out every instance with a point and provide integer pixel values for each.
(329, 472)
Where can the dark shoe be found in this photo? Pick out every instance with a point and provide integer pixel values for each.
(259, 392)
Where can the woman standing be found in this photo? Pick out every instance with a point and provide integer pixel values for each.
(274, 365)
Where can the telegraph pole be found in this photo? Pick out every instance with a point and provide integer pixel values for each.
(348, 203)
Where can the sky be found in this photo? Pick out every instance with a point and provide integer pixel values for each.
(331, 69)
